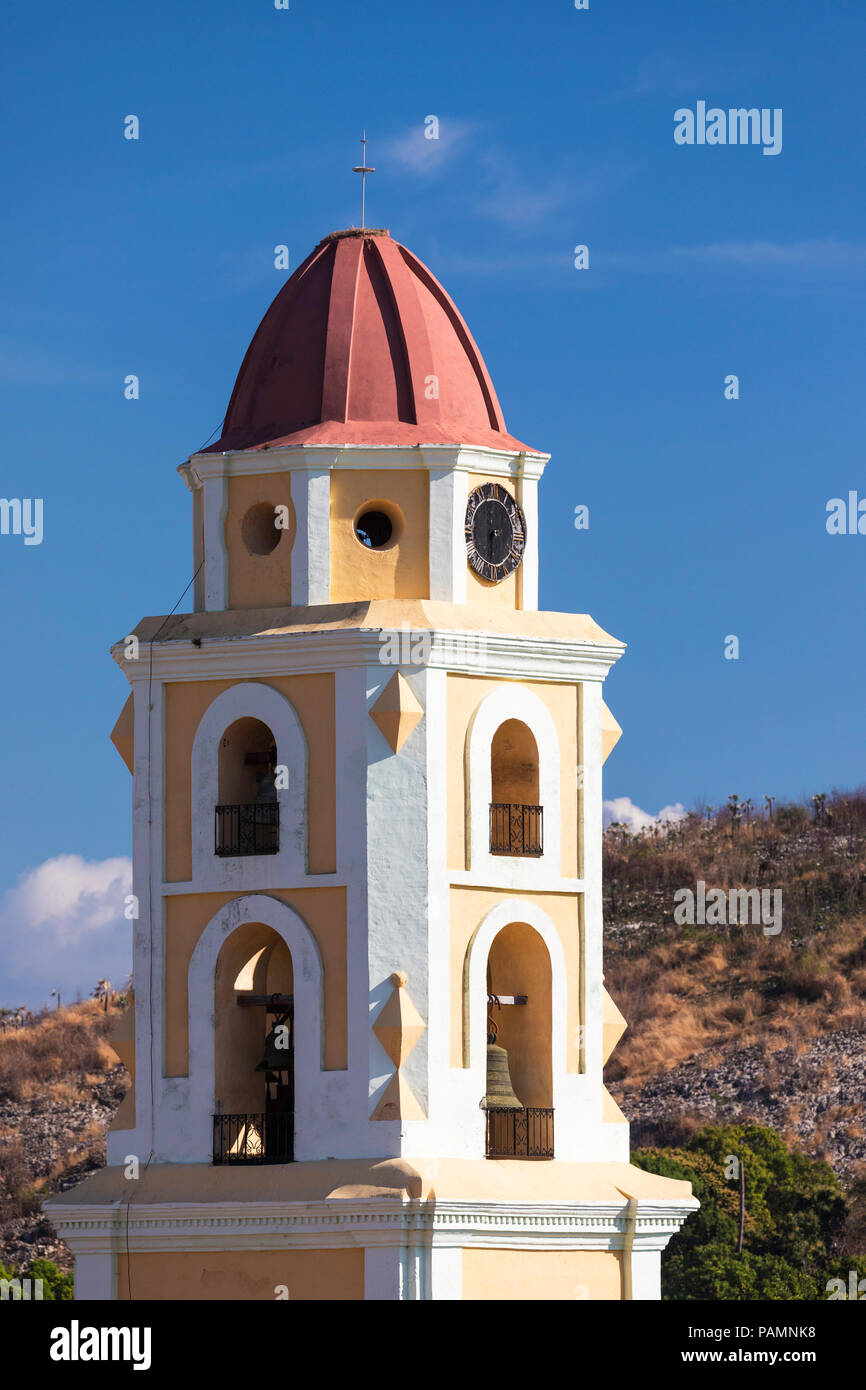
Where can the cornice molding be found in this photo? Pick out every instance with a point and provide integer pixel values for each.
(463, 652)
(384, 1222)
(459, 458)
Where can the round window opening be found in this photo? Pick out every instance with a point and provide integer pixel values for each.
(259, 530)
(374, 529)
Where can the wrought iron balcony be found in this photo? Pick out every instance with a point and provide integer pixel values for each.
(526, 1133)
(254, 1138)
(250, 829)
(515, 829)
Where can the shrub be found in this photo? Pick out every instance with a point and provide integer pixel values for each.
(795, 1215)
(56, 1285)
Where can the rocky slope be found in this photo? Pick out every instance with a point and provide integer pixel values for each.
(816, 1096)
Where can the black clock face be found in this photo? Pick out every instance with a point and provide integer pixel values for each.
(495, 532)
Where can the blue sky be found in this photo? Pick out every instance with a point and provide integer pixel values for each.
(155, 257)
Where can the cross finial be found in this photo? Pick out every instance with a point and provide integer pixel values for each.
(363, 169)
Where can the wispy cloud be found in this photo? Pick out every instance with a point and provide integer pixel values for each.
(661, 74)
(623, 810)
(512, 264)
(821, 256)
(242, 270)
(21, 365)
(507, 195)
(416, 153)
(554, 265)
(62, 926)
(493, 184)
(825, 254)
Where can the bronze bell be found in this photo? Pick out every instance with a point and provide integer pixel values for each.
(275, 1058)
(500, 1093)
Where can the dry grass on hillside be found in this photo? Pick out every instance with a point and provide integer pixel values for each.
(60, 1055)
(694, 989)
(734, 986)
(60, 1082)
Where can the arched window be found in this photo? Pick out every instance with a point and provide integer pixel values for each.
(254, 1048)
(247, 814)
(519, 974)
(249, 849)
(224, 1063)
(515, 812)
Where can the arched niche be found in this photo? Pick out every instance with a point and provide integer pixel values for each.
(249, 720)
(514, 763)
(529, 959)
(518, 963)
(247, 759)
(245, 925)
(512, 746)
(254, 960)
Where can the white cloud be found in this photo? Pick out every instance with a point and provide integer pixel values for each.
(417, 155)
(508, 196)
(828, 253)
(822, 255)
(62, 927)
(623, 810)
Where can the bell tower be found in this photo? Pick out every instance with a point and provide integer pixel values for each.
(370, 1020)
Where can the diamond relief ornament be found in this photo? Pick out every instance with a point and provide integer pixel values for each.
(397, 711)
(398, 1028)
(399, 1024)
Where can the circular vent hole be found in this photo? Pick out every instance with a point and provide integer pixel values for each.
(374, 529)
(258, 530)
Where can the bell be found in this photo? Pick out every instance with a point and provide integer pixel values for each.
(275, 1058)
(500, 1094)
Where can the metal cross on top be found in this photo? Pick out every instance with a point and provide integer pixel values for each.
(363, 169)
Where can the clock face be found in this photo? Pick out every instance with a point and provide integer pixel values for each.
(495, 532)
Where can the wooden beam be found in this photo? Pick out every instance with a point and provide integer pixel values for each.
(276, 1003)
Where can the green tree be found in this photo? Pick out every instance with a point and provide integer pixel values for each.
(795, 1212)
(56, 1286)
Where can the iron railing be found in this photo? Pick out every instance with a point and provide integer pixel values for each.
(254, 1138)
(526, 1133)
(515, 829)
(250, 829)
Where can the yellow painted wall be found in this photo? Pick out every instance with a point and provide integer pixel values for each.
(186, 916)
(123, 733)
(186, 702)
(398, 570)
(241, 1275)
(124, 1115)
(257, 581)
(478, 590)
(465, 693)
(468, 908)
(542, 1274)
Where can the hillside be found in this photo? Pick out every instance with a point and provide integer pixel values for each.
(727, 1025)
(726, 1022)
(60, 1084)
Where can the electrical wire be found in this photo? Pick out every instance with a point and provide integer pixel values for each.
(150, 902)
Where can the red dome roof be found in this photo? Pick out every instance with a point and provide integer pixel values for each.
(347, 352)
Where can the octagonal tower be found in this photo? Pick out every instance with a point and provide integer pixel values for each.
(367, 852)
